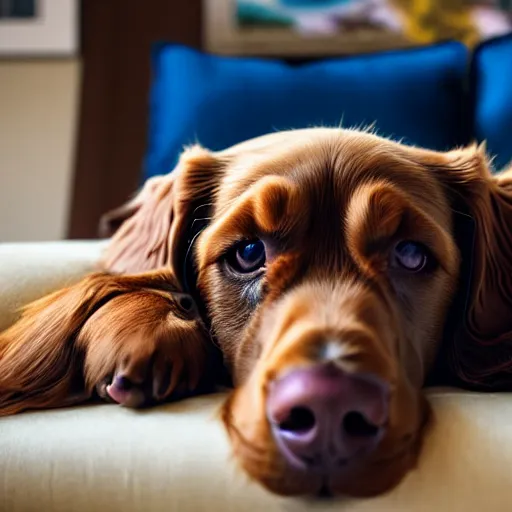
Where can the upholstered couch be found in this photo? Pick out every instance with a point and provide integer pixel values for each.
(176, 457)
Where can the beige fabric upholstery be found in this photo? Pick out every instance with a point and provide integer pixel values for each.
(176, 457)
(30, 270)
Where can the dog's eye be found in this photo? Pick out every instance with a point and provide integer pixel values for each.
(247, 256)
(412, 256)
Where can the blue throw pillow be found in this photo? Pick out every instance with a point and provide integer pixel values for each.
(417, 95)
(492, 79)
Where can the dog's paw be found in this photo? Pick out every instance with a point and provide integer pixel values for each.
(145, 379)
(143, 349)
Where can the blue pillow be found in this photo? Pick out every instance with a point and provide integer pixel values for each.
(417, 95)
(492, 79)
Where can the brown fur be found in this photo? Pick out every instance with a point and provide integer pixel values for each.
(70, 342)
(329, 205)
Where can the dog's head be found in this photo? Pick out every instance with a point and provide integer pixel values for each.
(328, 267)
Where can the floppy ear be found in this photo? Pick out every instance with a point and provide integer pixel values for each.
(481, 348)
(154, 224)
(66, 344)
(111, 221)
(39, 363)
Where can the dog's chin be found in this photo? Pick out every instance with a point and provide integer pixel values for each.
(354, 480)
(376, 478)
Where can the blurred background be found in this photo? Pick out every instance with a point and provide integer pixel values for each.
(76, 81)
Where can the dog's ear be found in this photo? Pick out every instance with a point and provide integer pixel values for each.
(39, 363)
(481, 348)
(66, 344)
(152, 232)
(111, 221)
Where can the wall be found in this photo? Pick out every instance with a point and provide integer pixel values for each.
(38, 118)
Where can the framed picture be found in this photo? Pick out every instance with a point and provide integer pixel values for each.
(32, 28)
(336, 27)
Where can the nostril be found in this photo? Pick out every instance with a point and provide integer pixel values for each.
(300, 420)
(356, 425)
(123, 383)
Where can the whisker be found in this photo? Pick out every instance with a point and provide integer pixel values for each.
(204, 205)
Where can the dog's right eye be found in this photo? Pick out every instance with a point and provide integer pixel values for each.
(247, 256)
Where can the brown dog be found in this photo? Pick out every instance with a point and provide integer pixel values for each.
(328, 265)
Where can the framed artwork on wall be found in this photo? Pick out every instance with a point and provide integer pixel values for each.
(38, 28)
(336, 27)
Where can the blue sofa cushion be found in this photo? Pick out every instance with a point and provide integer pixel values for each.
(417, 95)
(492, 81)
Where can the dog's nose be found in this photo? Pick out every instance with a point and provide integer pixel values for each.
(323, 417)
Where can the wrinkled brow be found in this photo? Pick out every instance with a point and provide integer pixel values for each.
(379, 212)
(270, 207)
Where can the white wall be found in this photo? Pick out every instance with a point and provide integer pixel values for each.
(38, 120)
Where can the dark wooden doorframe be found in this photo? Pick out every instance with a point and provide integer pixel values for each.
(117, 36)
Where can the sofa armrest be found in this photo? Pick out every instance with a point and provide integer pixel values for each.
(30, 270)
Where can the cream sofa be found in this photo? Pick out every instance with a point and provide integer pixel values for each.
(176, 457)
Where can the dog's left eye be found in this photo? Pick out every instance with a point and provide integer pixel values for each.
(411, 256)
(248, 256)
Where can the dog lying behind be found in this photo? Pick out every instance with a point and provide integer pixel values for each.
(334, 269)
